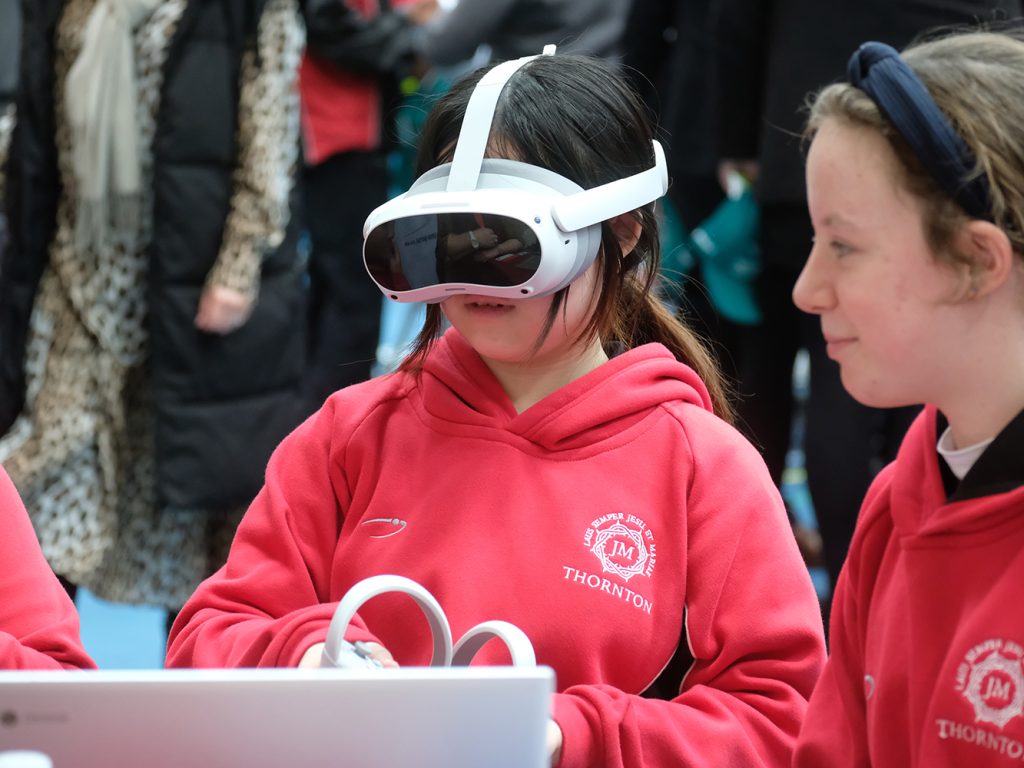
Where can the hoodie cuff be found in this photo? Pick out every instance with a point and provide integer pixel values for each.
(578, 746)
(301, 638)
(315, 631)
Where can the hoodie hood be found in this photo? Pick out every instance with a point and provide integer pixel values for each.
(458, 391)
(990, 494)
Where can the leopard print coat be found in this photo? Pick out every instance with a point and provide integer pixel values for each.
(81, 452)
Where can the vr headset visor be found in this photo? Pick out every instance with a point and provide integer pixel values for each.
(494, 227)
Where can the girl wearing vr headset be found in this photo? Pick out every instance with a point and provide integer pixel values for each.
(916, 194)
(560, 458)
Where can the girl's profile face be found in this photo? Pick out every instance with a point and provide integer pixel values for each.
(886, 305)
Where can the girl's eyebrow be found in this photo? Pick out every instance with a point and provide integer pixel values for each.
(838, 220)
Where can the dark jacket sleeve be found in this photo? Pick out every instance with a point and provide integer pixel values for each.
(31, 191)
(381, 44)
(740, 29)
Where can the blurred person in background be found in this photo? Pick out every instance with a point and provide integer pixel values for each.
(357, 52)
(152, 302)
(666, 48)
(515, 28)
(769, 57)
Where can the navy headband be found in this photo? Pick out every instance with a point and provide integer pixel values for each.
(878, 70)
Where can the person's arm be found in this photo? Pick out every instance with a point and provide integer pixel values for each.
(382, 44)
(834, 733)
(453, 37)
(752, 626)
(38, 622)
(271, 601)
(267, 155)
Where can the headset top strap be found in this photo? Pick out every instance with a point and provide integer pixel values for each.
(476, 123)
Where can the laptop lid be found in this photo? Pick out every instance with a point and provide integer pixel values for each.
(271, 718)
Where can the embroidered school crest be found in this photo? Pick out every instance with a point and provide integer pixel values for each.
(991, 678)
(623, 544)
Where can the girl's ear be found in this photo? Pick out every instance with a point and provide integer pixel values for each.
(627, 229)
(991, 255)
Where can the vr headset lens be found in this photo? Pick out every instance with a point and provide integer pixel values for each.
(429, 249)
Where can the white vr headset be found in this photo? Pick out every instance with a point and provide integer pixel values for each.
(493, 227)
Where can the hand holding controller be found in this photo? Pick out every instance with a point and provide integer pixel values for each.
(352, 656)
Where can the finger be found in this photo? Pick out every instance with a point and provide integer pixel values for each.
(381, 654)
(217, 320)
(202, 320)
(311, 658)
(223, 311)
(554, 740)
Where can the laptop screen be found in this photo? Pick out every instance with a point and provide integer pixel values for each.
(273, 718)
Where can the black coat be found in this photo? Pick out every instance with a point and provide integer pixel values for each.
(667, 43)
(222, 403)
(771, 55)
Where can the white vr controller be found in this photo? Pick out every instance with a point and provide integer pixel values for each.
(338, 652)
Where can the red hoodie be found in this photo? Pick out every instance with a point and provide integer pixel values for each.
(38, 623)
(340, 110)
(927, 626)
(636, 538)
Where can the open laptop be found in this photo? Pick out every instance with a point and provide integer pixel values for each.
(463, 717)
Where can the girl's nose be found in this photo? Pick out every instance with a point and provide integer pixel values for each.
(813, 291)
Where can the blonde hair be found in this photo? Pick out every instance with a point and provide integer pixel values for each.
(977, 80)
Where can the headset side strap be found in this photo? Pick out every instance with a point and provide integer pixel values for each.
(592, 206)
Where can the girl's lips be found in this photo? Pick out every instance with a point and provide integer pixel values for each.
(485, 304)
(834, 345)
(488, 306)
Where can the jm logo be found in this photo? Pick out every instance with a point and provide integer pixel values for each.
(619, 549)
(997, 689)
(991, 678)
(623, 543)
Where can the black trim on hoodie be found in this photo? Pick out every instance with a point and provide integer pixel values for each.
(998, 470)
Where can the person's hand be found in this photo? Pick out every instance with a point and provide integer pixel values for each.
(222, 310)
(749, 169)
(311, 658)
(484, 237)
(421, 11)
(554, 742)
(500, 251)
